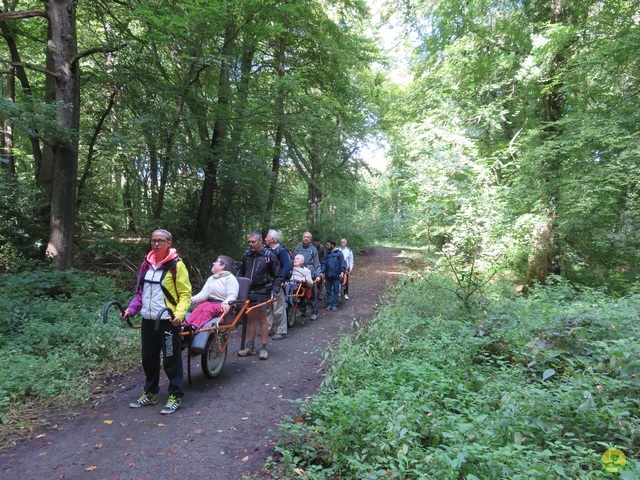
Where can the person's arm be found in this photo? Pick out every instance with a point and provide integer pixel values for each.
(232, 292)
(183, 287)
(276, 273)
(203, 295)
(308, 279)
(135, 305)
(316, 262)
(285, 263)
(233, 287)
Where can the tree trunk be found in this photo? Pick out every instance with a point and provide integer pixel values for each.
(545, 256)
(7, 158)
(210, 183)
(26, 88)
(279, 134)
(61, 53)
(227, 185)
(127, 202)
(92, 147)
(314, 194)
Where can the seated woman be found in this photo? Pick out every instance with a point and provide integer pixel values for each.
(218, 292)
(300, 273)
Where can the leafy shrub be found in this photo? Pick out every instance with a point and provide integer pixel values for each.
(527, 387)
(52, 338)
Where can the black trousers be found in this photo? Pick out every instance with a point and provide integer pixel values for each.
(165, 341)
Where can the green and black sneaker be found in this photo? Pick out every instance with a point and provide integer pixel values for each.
(144, 400)
(172, 405)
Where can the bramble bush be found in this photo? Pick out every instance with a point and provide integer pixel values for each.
(536, 386)
(52, 338)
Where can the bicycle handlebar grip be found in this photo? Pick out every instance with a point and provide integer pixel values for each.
(159, 317)
(105, 313)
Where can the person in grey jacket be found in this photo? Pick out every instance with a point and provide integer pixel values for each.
(312, 262)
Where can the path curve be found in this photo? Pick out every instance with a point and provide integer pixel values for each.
(227, 427)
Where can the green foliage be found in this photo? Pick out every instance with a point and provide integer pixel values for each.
(53, 340)
(524, 116)
(22, 225)
(527, 387)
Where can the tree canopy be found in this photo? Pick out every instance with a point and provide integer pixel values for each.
(512, 127)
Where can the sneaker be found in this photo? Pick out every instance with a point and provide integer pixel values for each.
(346, 297)
(328, 309)
(334, 309)
(279, 336)
(144, 400)
(313, 316)
(172, 405)
(264, 354)
(250, 350)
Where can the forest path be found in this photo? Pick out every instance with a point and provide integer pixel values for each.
(226, 428)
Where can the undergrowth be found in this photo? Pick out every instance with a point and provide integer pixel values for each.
(54, 345)
(523, 387)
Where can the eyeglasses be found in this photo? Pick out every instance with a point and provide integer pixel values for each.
(217, 261)
(158, 240)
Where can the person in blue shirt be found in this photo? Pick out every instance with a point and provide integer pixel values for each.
(333, 268)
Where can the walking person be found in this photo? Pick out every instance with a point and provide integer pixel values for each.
(163, 281)
(311, 261)
(333, 269)
(321, 253)
(262, 267)
(277, 315)
(347, 253)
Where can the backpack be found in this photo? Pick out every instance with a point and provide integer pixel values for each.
(334, 268)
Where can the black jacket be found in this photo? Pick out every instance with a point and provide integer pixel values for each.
(263, 268)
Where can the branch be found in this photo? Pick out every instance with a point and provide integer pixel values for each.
(23, 14)
(93, 50)
(31, 67)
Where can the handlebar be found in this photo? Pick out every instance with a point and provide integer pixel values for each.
(105, 313)
(159, 317)
(253, 307)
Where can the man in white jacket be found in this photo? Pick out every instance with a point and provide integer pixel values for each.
(347, 253)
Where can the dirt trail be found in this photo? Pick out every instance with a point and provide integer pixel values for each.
(227, 427)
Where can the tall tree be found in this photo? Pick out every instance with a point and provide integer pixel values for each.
(63, 88)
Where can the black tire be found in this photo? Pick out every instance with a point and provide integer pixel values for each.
(291, 317)
(212, 360)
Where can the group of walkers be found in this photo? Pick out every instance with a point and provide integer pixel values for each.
(163, 281)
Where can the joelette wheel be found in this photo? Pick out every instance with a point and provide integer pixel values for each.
(212, 359)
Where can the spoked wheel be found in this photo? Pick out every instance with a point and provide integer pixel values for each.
(212, 359)
(291, 316)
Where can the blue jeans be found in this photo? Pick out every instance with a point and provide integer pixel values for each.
(333, 290)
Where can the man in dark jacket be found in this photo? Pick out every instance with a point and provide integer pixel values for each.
(261, 266)
(333, 268)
